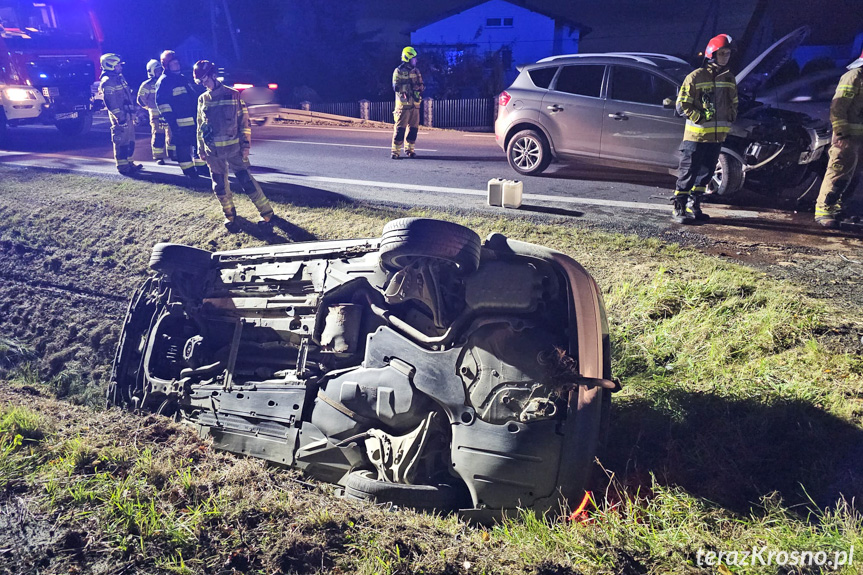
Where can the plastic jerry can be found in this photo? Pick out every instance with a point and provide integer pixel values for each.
(512, 190)
(495, 191)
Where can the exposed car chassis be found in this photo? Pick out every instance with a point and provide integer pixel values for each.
(423, 368)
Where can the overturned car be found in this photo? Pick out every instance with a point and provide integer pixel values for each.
(424, 368)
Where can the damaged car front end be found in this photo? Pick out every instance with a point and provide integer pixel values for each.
(424, 368)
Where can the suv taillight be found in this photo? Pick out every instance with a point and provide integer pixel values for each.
(503, 99)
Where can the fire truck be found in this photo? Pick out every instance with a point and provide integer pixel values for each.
(49, 64)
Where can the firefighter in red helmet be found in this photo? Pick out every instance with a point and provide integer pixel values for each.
(224, 140)
(177, 100)
(708, 100)
(846, 149)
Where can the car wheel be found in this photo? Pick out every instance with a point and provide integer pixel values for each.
(263, 121)
(528, 152)
(77, 127)
(169, 258)
(728, 177)
(362, 484)
(408, 239)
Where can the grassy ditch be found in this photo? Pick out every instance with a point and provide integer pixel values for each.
(740, 424)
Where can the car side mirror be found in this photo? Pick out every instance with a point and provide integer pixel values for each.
(668, 103)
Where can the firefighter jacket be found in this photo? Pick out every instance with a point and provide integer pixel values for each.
(118, 98)
(224, 128)
(708, 100)
(177, 100)
(846, 110)
(408, 86)
(147, 96)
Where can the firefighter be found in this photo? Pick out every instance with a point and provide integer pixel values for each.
(177, 100)
(121, 111)
(160, 142)
(224, 140)
(708, 100)
(846, 148)
(408, 86)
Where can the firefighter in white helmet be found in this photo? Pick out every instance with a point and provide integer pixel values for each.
(121, 112)
(408, 86)
(160, 142)
(224, 140)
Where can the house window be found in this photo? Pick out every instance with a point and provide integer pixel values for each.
(498, 22)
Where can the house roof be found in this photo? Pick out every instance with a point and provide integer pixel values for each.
(561, 12)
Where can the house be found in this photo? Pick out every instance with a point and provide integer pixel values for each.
(520, 31)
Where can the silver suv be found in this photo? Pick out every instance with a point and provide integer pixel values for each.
(618, 109)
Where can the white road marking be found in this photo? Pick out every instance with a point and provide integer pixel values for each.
(335, 144)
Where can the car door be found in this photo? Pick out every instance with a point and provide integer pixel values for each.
(636, 127)
(571, 111)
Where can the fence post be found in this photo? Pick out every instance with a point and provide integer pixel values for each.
(429, 111)
(305, 105)
(364, 109)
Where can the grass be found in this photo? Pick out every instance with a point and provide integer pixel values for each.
(740, 423)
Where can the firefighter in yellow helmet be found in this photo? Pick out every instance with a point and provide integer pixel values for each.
(177, 99)
(224, 141)
(846, 149)
(160, 142)
(408, 86)
(121, 111)
(708, 100)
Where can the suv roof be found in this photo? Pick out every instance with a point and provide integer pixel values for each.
(649, 58)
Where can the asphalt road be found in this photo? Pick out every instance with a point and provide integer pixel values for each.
(336, 163)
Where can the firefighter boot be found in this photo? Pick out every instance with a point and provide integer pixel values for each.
(693, 208)
(678, 211)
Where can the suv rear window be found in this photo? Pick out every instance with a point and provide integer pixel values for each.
(640, 86)
(582, 80)
(541, 77)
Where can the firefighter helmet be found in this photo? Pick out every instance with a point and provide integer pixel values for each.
(154, 68)
(109, 62)
(203, 68)
(717, 43)
(167, 57)
(408, 53)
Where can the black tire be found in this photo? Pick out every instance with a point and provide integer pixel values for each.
(728, 178)
(77, 127)
(170, 258)
(362, 484)
(3, 128)
(528, 152)
(408, 239)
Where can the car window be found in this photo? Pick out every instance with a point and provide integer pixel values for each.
(582, 80)
(640, 86)
(541, 77)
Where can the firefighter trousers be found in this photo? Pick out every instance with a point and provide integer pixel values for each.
(185, 140)
(406, 119)
(160, 142)
(123, 138)
(697, 165)
(222, 188)
(844, 158)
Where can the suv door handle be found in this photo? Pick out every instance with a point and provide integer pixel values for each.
(555, 107)
(618, 116)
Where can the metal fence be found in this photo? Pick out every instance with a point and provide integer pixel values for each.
(469, 113)
(382, 111)
(349, 109)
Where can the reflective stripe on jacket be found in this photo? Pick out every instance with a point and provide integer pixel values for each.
(177, 100)
(846, 109)
(118, 97)
(224, 128)
(147, 96)
(408, 86)
(708, 100)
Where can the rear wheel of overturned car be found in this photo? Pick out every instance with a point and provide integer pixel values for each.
(528, 152)
(172, 258)
(728, 178)
(407, 240)
(77, 126)
(362, 484)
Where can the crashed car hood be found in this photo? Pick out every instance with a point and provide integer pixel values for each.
(753, 76)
